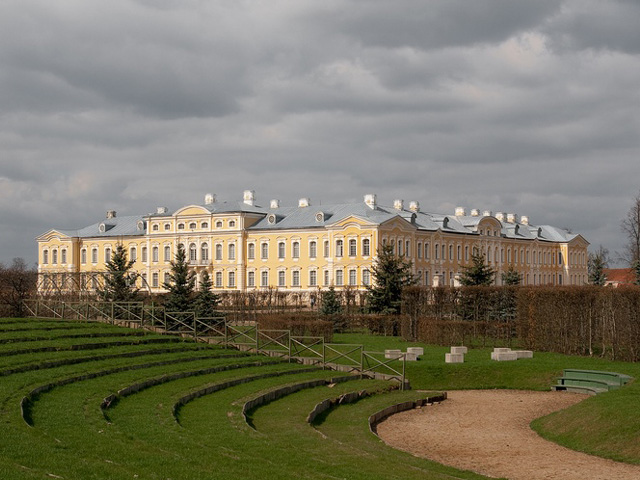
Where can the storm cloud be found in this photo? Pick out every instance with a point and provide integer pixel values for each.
(505, 105)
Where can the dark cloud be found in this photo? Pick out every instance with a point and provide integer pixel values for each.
(505, 105)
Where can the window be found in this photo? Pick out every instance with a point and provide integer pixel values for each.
(133, 254)
(295, 250)
(204, 225)
(155, 227)
(154, 254)
(326, 249)
(313, 247)
(154, 279)
(352, 247)
(459, 252)
(399, 248)
(339, 248)
(83, 255)
(232, 251)
(54, 257)
(251, 279)
(144, 254)
(144, 279)
(353, 277)
(232, 279)
(281, 248)
(232, 223)
(443, 251)
(193, 252)
(339, 277)
(295, 278)
(366, 277)
(204, 252)
(326, 277)
(167, 253)
(251, 251)
(218, 251)
(264, 251)
(437, 251)
(366, 247)
(218, 224)
(281, 279)
(94, 255)
(181, 226)
(264, 278)
(63, 256)
(167, 226)
(426, 251)
(192, 225)
(313, 278)
(166, 277)
(219, 279)
(45, 256)
(107, 255)
(450, 252)
(407, 248)
(419, 250)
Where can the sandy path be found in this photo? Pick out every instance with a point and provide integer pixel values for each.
(488, 431)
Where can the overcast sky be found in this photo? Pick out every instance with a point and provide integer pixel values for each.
(531, 107)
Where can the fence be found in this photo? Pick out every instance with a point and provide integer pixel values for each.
(243, 335)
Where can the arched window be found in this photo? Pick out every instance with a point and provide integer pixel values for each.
(167, 226)
(251, 251)
(193, 252)
(295, 249)
(155, 227)
(218, 279)
(339, 248)
(218, 224)
(45, 256)
(144, 254)
(54, 257)
(313, 278)
(366, 247)
(218, 251)
(192, 225)
(133, 254)
(281, 249)
(366, 277)
(352, 247)
(232, 223)
(155, 279)
(204, 225)
(264, 250)
(107, 255)
(181, 226)
(167, 253)
(232, 279)
(204, 252)
(63, 256)
(313, 249)
(154, 254)
(94, 255)
(232, 251)
(83, 256)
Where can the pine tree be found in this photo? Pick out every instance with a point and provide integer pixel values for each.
(206, 300)
(596, 264)
(478, 273)
(511, 277)
(181, 284)
(391, 274)
(118, 286)
(330, 302)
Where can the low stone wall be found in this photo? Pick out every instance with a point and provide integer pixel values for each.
(378, 417)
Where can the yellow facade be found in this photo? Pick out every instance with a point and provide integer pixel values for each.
(300, 249)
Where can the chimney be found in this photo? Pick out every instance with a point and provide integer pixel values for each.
(414, 206)
(524, 220)
(162, 210)
(460, 212)
(487, 213)
(111, 214)
(209, 199)
(475, 212)
(512, 218)
(274, 203)
(500, 216)
(249, 197)
(398, 204)
(370, 200)
(304, 202)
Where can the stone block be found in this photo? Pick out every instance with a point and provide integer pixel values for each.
(504, 356)
(454, 358)
(416, 350)
(524, 353)
(410, 357)
(462, 350)
(394, 354)
(501, 350)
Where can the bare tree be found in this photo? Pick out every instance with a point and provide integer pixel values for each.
(17, 283)
(631, 227)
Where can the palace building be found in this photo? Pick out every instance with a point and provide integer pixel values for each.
(246, 247)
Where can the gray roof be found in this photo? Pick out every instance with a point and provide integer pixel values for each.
(114, 227)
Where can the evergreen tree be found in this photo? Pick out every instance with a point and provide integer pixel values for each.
(391, 274)
(181, 284)
(330, 302)
(118, 285)
(478, 273)
(511, 276)
(596, 264)
(206, 300)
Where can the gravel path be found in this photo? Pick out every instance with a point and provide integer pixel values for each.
(488, 431)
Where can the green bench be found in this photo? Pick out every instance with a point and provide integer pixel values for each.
(590, 381)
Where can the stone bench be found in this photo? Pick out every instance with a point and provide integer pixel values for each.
(454, 357)
(462, 350)
(393, 354)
